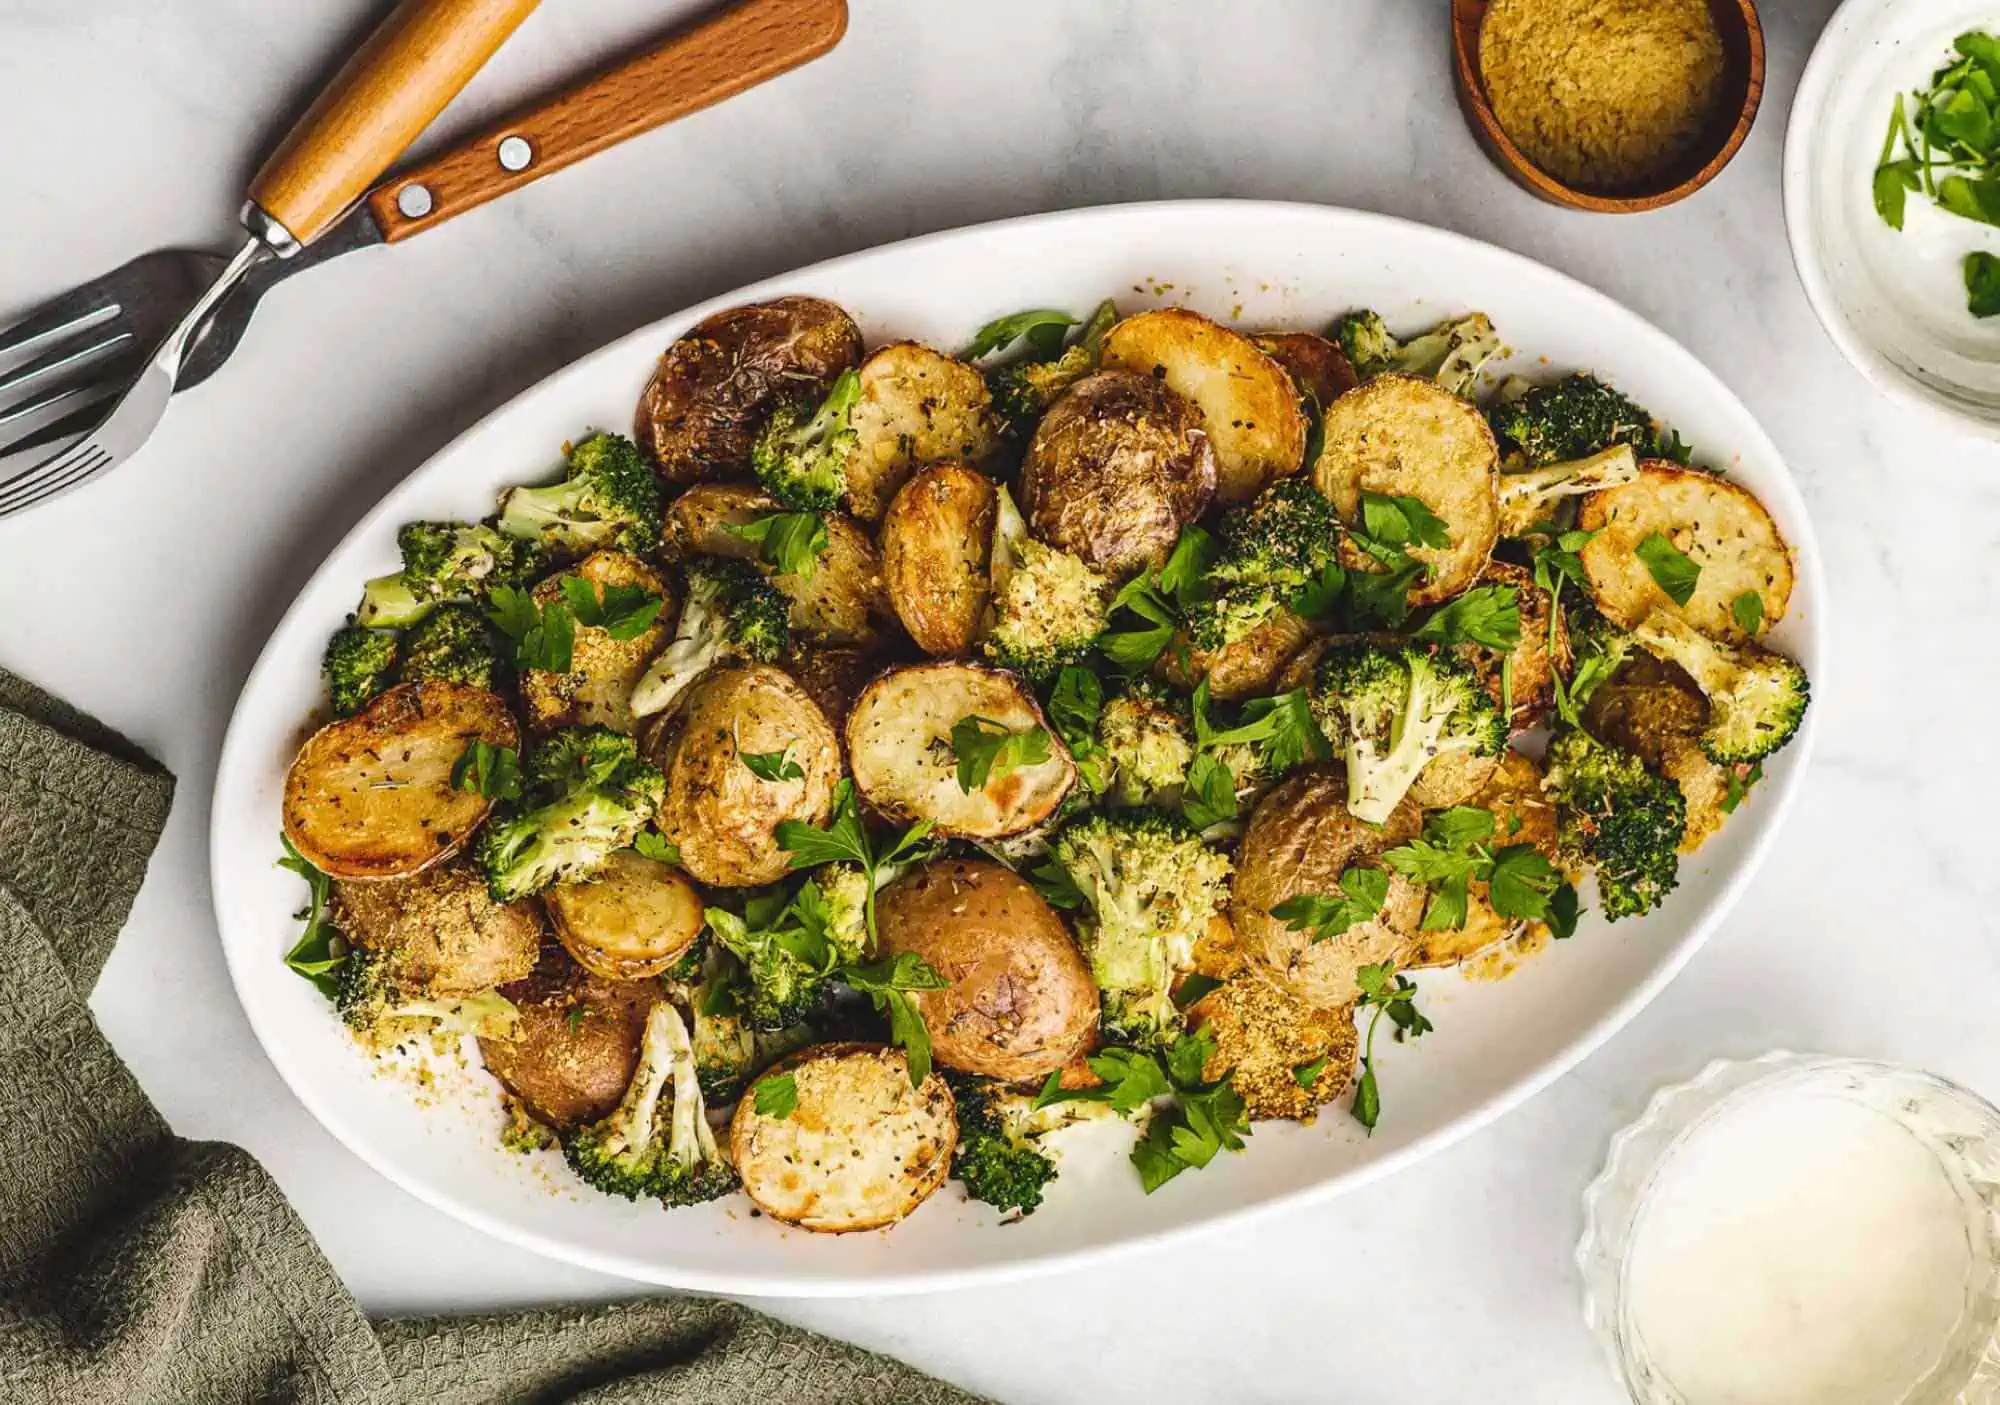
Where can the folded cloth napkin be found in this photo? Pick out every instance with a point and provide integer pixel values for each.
(139, 1268)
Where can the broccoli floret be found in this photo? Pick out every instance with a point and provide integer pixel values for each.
(996, 1158)
(588, 795)
(731, 612)
(1148, 738)
(453, 643)
(359, 664)
(1394, 707)
(784, 988)
(728, 1053)
(1618, 817)
(1272, 548)
(656, 1143)
(384, 1009)
(1527, 497)
(1048, 607)
(790, 953)
(1756, 698)
(1574, 418)
(1598, 649)
(609, 497)
(1452, 353)
(802, 452)
(1149, 887)
(445, 562)
(1023, 390)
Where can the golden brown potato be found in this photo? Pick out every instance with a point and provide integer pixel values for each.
(1534, 669)
(631, 919)
(833, 676)
(937, 547)
(1301, 840)
(917, 406)
(717, 385)
(859, 1150)
(579, 1040)
(1317, 367)
(899, 746)
(1248, 401)
(720, 814)
(1452, 778)
(370, 796)
(1116, 468)
(1021, 1001)
(697, 522)
(448, 935)
(597, 689)
(1247, 668)
(1404, 437)
(1654, 710)
(1513, 793)
(1717, 524)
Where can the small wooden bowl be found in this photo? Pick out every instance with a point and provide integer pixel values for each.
(1742, 84)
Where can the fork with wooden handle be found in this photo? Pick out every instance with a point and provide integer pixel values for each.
(81, 347)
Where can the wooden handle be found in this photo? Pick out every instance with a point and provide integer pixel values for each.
(695, 68)
(411, 66)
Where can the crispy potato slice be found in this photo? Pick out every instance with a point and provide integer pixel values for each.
(1718, 524)
(370, 796)
(1117, 467)
(1248, 401)
(597, 689)
(578, 1044)
(937, 544)
(899, 746)
(861, 1148)
(917, 407)
(631, 919)
(1405, 437)
(448, 934)
(1512, 793)
(716, 386)
(1319, 368)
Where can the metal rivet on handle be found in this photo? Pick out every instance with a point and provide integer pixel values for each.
(515, 153)
(414, 201)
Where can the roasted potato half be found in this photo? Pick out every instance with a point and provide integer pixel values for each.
(1249, 402)
(899, 746)
(859, 1150)
(1246, 668)
(1317, 367)
(370, 796)
(715, 387)
(833, 676)
(937, 546)
(697, 522)
(722, 815)
(1021, 1002)
(1301, 839)
(1404, 437)
(1522, 814)
(578, 1044)
(632, 919)
(917, 406)
(597, 689)
(1717, 524)
(1654, 710)
(1116, 468)
(449, 936)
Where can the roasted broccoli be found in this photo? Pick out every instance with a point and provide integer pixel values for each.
(1023, 390)
(1571, 420)
(445, 562)
(731, 612)
(453, 643)
(656, 1143)
(1392, 708)
(802, 452)
(728, 1053)
(1452, 353)
(790, 946)
(587, 795)
(384, 1008)
(1271, 548)
(997, 1159)
(1048, 607)
(1756, 698)
(359, 664)
(1149, 887)
(1527, 497)
(609, 497)
(1619, 818)
(1147, 736)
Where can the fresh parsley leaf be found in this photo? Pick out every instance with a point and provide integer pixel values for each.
(1748, 611)
(1130, 1079)
(651, 844)
(313, 955)
(1399, 520)
(1521, 883)
(1564, 910)
(1672, 569)
(790, 543)
(622, 611)
(1489, 615)
(1295, 736)
(772, 765)
(1382, 598)
(1307, 1074)
(1184, 578)
(887, 984)
(1052, 881)
(488, 770)
(544, 635)
(1362, 893)
(1045, 328)
(1154, 1156)
(1668, 445)
(1074, 706)
(1194, 987)
(844, 840)
(1322, 600)
(1460, 826)
(1982, 284)
(1136, 650)
(987, 751)
(1208, 795)
(1894, 180)
(777, 1095)
(1383, 992)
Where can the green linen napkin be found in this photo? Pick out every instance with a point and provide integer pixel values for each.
(142, 1269)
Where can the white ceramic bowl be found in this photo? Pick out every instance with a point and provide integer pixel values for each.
(1257, 264)
(1894, 303)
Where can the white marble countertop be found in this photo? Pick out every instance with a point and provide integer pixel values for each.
(131, 124)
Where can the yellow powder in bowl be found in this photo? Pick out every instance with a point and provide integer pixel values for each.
(1604, 95)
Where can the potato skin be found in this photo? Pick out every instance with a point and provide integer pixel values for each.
(1300, 840)
(917, 407)
(448, 934)
(630, 920)
(579, 1040)
(1317, 366)
(833, 676)
(370, 796)
(1247, 668)
(1021, 1001)
(722, 816)
(697, 522)
(715, 386)
(1654, 710)
(1116, 468)
(936, 546)
(596, 691)
(1535, 668)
